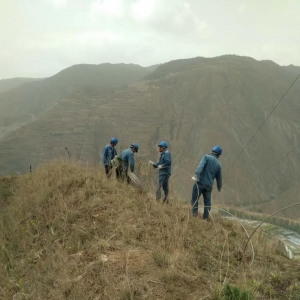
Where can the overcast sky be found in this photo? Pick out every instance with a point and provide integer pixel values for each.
(38, 38)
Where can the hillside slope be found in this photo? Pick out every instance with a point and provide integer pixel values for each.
(7, 84)
(288, 197)
(194, 104)
(294, 69)
(68, 233)
(25, 103)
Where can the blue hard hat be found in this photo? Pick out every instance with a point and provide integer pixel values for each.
(114, 140)
(217, 149)
(135, 146)
(163, 144)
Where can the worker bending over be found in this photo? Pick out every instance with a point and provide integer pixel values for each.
(127, 163)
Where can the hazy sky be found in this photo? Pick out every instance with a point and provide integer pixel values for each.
(38, 38)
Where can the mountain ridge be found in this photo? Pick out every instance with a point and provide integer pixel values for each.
(25, 103)
(210, 101)
(10, 83)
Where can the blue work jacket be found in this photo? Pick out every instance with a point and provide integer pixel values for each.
(208, 169)
(128, 159)
(108, 154)
(165, 161)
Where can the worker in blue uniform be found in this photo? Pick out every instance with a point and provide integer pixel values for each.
(127, 163)
(164, 173)
(108, 154)
(208, 169)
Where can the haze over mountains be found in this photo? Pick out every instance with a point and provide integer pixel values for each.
(7, 84)
(193, 103)
(26, 102)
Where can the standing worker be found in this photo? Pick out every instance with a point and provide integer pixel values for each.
(127, 157)
(208, 169)
(164, 166)
(109, 153)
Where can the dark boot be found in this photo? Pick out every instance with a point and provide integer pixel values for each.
(108, 171)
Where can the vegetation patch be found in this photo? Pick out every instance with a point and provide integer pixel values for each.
(69, 233)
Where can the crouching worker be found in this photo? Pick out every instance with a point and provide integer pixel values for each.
(109, 153)
(164, 166)
(208, 169)
(127, 157)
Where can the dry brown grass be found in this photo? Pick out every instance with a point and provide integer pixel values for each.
(69, 233)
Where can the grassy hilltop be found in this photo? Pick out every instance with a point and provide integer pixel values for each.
(66, 232)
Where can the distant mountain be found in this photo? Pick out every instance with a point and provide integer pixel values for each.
(7, 84)
(25, 103)
(293, 69)
(193, 104)
(104, 75)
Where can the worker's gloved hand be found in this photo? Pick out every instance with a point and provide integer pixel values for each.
(160, 166)
(155, 166)
(194, 178)
(151, 162)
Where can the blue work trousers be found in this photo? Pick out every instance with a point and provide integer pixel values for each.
(199, 189)
(163, 182)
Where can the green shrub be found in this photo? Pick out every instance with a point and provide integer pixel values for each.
(234, 293)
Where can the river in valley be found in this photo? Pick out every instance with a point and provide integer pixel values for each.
(290, 239)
